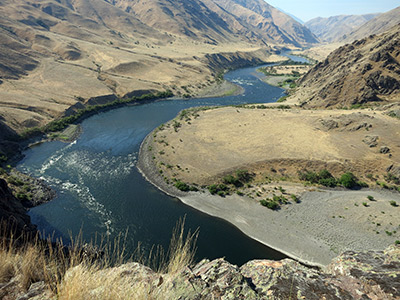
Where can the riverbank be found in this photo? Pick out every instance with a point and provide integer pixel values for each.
(325, 222)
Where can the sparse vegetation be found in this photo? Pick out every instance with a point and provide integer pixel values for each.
(325, 178)
(74, 273)
(62, 123)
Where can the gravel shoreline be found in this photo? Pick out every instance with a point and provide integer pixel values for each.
(312, 232)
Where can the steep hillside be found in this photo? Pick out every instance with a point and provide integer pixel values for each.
(377, 25)
(218, 20)
(364, 72)
(58, 54)
(274, 25)
(334, 28)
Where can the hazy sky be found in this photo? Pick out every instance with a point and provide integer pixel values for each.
(309, 9)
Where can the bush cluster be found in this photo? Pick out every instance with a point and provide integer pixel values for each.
(325, 178)
(184, 187)
(219, 189)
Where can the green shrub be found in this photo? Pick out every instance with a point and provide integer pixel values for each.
(348, 180)
(397, 242)
(213, 189)
(229, 179)
(271, 204)
(182, 186)
(15, 181)
(393, 203)
(328, 182)
(194, 189)
(389, 177)
(221, 193)
(370, 198)
(295, 198)
(243, 175)
(309, 176)
(217, 188)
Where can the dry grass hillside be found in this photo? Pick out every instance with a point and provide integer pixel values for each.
(273, 25)
(366, 72)
(210, 144)
(334, 28)
(60, 54)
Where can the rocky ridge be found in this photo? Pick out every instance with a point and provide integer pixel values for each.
(364, 72)
(362, 275)
(352, 275)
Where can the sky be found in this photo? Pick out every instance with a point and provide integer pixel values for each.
(309, 9)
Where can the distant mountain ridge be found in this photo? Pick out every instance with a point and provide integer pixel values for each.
(379, 24)
(364, 72)
(333, 29)
(220, 19)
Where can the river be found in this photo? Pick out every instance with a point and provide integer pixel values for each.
(100, 190)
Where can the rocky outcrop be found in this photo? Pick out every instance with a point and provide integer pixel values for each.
(364, 72)
(223, 61)
(352, 275)
(13, 209)
(13, 213)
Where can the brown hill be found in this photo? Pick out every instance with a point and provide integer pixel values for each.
(377, 25)
(219, 20)
(366, 71)
(274, 25)
(334, 28)
(56, 54)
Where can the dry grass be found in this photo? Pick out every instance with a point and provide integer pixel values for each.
(75, 273)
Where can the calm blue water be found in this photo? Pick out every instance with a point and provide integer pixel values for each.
(100, 190)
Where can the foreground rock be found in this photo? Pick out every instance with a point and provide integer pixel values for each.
(362, 275)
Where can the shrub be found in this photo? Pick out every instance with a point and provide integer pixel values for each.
(365, 204)
(389, 177)
(295, 198)
(328, 182)
(15, 181)
(182, 186)
(348, 180)
(370, 198)
(243, 175)
(217, 188)
(271, 204)
(393, 203)
(213, 189)
(397, 242)
(309, 176)
(229, 179)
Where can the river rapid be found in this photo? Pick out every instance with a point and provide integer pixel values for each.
(100, 191)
